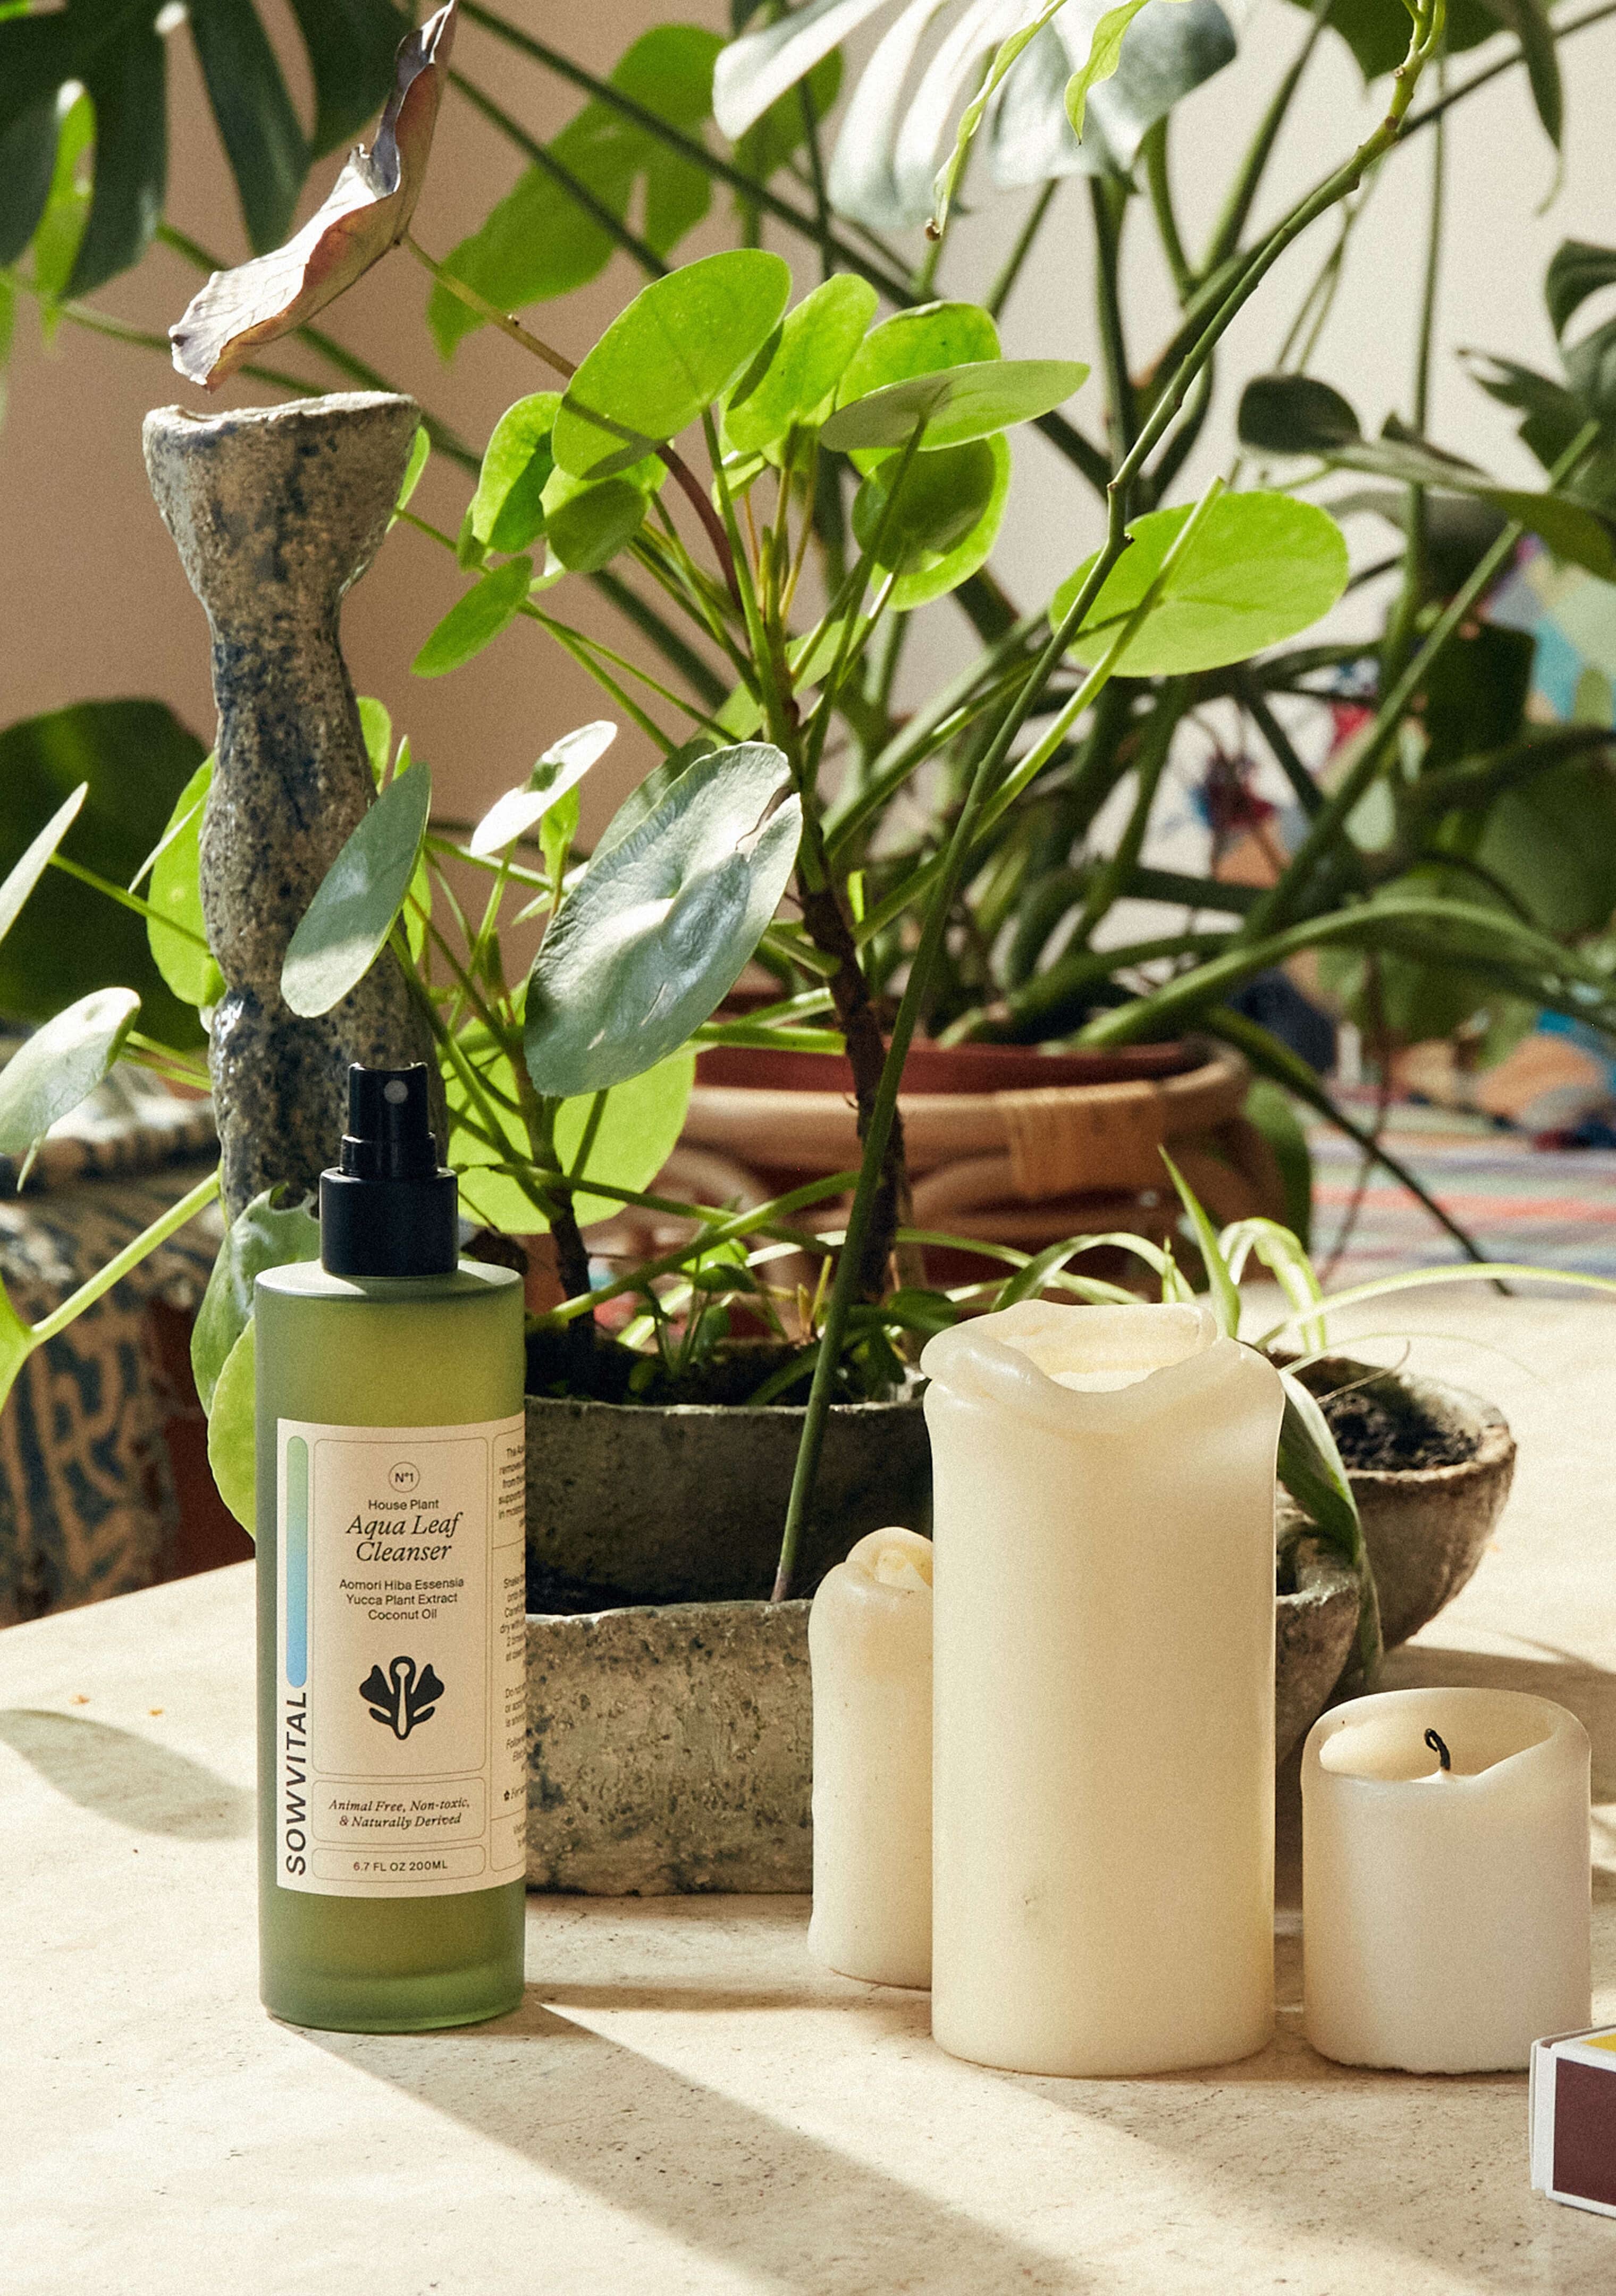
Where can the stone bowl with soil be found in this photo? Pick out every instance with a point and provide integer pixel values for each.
(1430, 1467)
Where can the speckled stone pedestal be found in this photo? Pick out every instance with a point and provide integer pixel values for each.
(276, 511)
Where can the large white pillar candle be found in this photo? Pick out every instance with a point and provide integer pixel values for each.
(1102, 1888)
(1446, 1879)
(870, 1652)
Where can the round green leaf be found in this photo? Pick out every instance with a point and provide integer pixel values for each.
(22, 880)
(476, 621)
(941, 498)
(259, 1236)
(420, 448)
(1295, 415)
(589, 525)
(656, 931)
(673, 352)
(233, 1432)
(61, 1064)
(933, 574)
(639, 1128)
(1261, 568)
(561, 768)
(507, 509)
(960, 403)
(175, 889)
(376, 724)
(346, 925)
(921, 342)
(801, 363)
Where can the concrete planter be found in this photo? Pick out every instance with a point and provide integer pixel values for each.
(683, 1503)
(1427, 1527)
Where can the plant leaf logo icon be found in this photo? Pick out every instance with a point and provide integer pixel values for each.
(402, 1697)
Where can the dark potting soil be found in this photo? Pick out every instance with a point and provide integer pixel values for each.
(599, 1370)
(1381, 1425)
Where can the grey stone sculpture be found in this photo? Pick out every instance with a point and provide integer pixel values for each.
(276, 511)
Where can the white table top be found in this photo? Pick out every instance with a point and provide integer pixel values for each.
(684, 2103)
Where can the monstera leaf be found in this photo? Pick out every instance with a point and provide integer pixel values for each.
(904, 116)
(368, 212)
(117, 56)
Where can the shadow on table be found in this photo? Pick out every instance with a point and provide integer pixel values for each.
(149, 1788)
(738, 2185)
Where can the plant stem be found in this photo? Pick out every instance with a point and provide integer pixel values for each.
(1108, 204)
(1242, 192)
(123, 1262)
(1003, 286)
(1159, 183)
(576, 190)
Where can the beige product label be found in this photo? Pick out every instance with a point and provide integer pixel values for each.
(401, 1762)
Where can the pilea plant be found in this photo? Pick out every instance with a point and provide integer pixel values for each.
(860, 463)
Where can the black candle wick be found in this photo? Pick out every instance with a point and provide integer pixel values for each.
(1439, 1749)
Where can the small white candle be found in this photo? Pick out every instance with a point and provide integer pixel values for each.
(1445, 1910)
(870, 1652)
(1103, 1891)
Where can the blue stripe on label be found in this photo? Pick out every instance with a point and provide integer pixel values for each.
(297, 1562)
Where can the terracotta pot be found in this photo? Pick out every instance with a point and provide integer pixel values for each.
(1008, 1145)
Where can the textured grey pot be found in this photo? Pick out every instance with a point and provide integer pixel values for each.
(1427, 1527)
(1314, 1628)
(276, 511)
(634, 1504)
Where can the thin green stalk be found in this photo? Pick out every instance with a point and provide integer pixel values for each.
(538, 155)
(701, 679)
(1158, 181)
(1281, 748)
(1282, 898)
(122, 1263)
(1003, 286)
(1384, 922)
(583, 652)
(113, 892)
(1156, 741)
(1411, 592)
(1562, 30)
(1027, 769)
(1242, 192)
(1108, 205)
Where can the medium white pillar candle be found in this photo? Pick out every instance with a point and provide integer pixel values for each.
(870, 1652)
(1445, 1912)
(1103, 1891)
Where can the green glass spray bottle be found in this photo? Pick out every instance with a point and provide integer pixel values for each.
(392, 1704)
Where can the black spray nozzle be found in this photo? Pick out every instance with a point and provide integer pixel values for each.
(388, 1209)
(390, 1130)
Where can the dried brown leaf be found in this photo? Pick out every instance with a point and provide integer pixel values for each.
(368, 212)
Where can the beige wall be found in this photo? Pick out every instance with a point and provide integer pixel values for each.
(92, 600)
